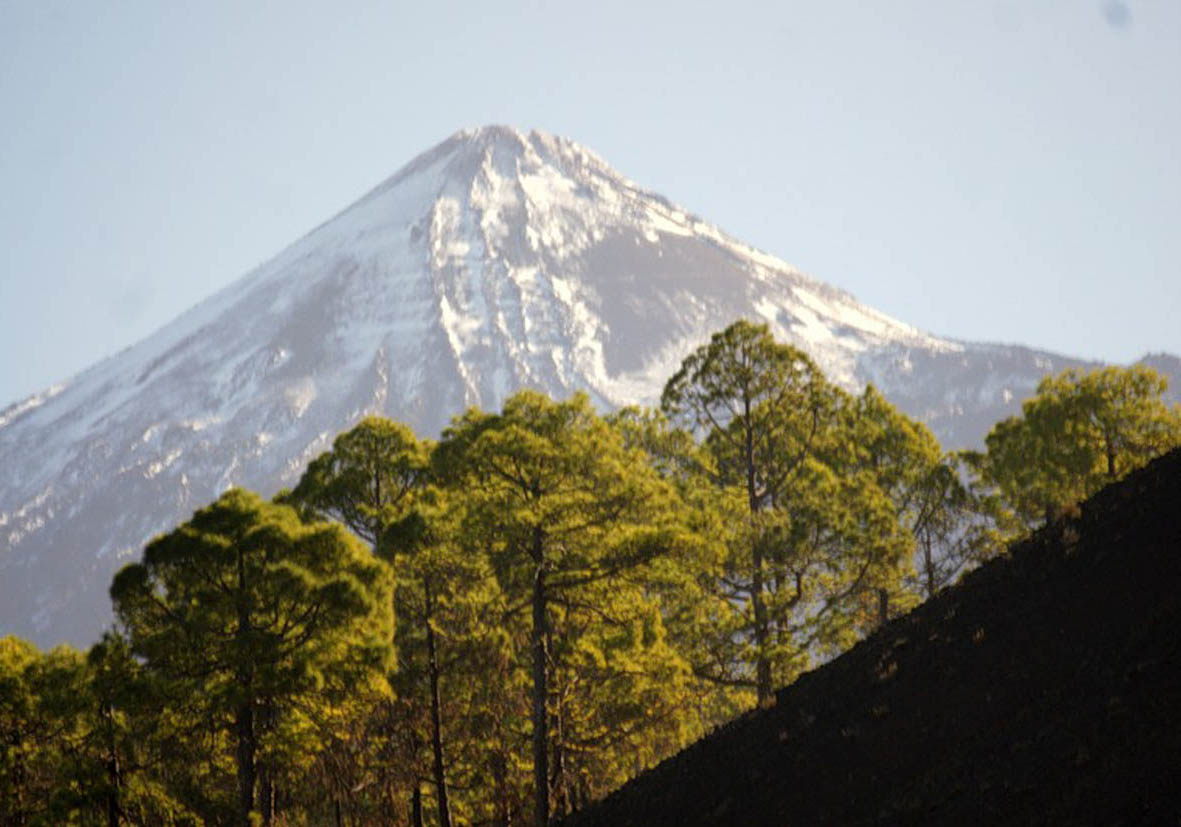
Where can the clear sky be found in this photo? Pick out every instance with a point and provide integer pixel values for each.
(1004, 170)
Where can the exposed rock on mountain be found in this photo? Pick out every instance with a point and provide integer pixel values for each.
(494, 261)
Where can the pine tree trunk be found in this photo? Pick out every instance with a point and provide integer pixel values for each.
(436, 714)
(113, 808)
(560, 804)
(244, 716)
(114, 774)
(762, 624)
(416, 806)
(244, 732)
(266, 795)
(763, 682)
(540, 688)
(929, 565)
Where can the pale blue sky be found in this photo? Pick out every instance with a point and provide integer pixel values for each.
(1004, 171)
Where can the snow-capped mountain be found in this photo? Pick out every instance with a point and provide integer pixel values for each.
(495, 260)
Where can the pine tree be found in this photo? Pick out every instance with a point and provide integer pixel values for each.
(252, 619)
(953, 523)
(1079, 432)
(368, 478)
(816, 532)
(562, 507)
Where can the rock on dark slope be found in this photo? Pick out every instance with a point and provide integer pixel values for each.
(1044, 689)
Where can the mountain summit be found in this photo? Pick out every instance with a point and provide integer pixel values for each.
(496, 260)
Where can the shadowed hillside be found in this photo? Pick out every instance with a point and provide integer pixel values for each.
(1045, 688)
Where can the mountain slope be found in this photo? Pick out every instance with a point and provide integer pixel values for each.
(495, 260)
(1044, 689)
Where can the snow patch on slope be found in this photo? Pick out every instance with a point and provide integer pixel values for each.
(496, 260)
(18, 409)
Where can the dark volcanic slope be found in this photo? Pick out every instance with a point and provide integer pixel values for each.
(1045, 688)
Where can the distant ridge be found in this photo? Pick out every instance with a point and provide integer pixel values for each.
(1044, 689)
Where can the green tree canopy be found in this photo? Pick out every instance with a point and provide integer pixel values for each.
(253, 620)
(38, 694)
(819, 529)
(563, 507)
(1079, 432)
(367, 479)
(954, 524)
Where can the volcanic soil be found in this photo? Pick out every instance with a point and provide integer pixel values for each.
(1044, 688)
